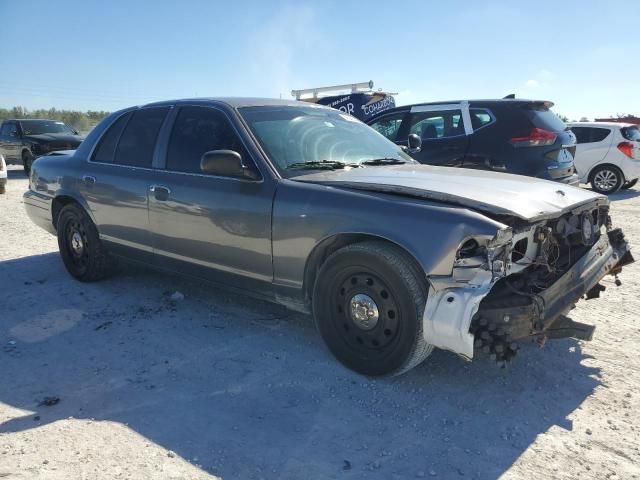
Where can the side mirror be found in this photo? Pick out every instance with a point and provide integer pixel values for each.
(226, 163)
(415, 143)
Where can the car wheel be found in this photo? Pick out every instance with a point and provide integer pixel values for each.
(368, 303)
(606, 179)
(82, 252)
(631, 184)
(27, 160)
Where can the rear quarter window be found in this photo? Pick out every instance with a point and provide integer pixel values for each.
(106, 148)
(631, 133)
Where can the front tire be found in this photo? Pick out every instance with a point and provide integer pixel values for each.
(82, 252)
(606, 179)
(27, 160)
(628, 185)
(368, 303)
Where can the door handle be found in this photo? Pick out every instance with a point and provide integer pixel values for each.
(89, 180)
(160, 192)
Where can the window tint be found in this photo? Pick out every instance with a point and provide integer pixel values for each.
(599, 134)
(198, 130)
(631, 133)
(389, 125)
(7, 128)
(432, 125)
(542, 117)
(479, 118)
(138, 140)
(107, 146)
(590, 134)
(581, 133)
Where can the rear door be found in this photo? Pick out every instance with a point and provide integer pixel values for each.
(593, 143)
(210, 226)
(444, 130)
(116, 179)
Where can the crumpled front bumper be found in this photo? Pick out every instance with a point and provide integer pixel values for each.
(450, 310)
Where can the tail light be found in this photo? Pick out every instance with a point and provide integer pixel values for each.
(626, 148)
(538, 137)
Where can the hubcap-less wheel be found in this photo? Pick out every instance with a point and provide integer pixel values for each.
(366, 311)
(606, 180)
(76, 242)
(368, 302)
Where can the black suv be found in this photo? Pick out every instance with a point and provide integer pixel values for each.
(508, 135)
(23, 140)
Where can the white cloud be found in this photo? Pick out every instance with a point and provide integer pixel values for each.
(273, 49)
(532, 83)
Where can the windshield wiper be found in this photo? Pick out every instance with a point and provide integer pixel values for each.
(384, 161)
(328, 164)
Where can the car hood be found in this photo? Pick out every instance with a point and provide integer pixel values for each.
(528, 198)
(56, 137)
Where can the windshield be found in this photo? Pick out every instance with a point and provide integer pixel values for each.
(294, 137)
(38, 127)
(631, 133)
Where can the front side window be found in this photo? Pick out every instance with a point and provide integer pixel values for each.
(389, 125)
(7, 128)
(434, 125)
(138, 140)
(293, 137)
(198, 130)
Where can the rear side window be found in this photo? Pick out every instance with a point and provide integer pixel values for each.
(631, 133)
(138, 140)
(107, 146)
(7, 128)
(590, 134)
(389, 125)
(434, 125)
(198, 130)
(542, 117)
(480, 118)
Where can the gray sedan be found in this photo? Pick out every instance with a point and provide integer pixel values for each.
(308, 207)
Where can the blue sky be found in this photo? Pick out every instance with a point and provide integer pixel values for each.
(104, 55)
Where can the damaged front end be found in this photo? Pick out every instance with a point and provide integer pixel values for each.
(521, 283)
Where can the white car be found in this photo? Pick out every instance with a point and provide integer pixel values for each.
(607, 155)
(3, 175)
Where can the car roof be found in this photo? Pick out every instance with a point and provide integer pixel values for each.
(601, 124)
(238, 102)
(484, 102)
(31, 120)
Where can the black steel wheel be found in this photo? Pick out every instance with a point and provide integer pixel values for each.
(368, 302)
(81, 250)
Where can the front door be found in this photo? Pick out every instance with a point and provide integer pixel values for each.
(10, 141)
(209, 226)
(444, 134)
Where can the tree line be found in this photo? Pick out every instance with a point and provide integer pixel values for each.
(81, 121)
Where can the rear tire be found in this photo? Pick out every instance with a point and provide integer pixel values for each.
(606, 179)
(27, 160)
(368, 303)
(628, 185)
(82, 252)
